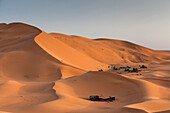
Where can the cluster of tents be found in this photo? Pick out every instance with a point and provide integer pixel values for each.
(97, 98)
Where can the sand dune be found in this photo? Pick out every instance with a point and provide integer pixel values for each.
(73, 92)
(61, 51)
(24, 58)
(152, 105)
(56, 73)
(110, 50)
(12, 87)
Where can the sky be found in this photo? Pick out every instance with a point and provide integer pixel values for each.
(144, 22)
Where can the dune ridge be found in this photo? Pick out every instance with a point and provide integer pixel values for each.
(54, 72)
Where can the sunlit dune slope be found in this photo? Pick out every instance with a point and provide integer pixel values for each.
(110, 50)
(22, 59)
(101, 82)
(67, 54)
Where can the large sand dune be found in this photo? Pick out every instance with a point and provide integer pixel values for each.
(110, 50)
(55, 73)
(24, 58)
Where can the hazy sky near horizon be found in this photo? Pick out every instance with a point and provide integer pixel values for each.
(145, 22)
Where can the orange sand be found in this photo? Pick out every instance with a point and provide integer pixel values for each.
(54, 73)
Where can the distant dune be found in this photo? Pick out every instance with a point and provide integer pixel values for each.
(55, 73)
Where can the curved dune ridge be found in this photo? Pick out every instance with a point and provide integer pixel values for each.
(24, 58)
(52, 72)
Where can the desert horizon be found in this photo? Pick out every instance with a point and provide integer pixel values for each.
(57, 73)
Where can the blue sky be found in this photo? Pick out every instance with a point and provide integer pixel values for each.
(145, 22)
